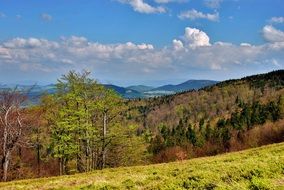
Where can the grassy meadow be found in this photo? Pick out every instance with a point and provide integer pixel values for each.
(258, 168)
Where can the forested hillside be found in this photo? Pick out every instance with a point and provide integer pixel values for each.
(230, 115)
(84, 126)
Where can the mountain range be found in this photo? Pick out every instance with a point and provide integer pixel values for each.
(130, 92)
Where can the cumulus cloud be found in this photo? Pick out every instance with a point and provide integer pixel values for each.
(214, 4)
(177, 44)
(277, 20)
(194, 14)
(21, 43)
(271, 34)
(67, 51)
(142, 7)
(194, 50)
(188, 53)
(225, 56)
(46, 17)
(194, 37)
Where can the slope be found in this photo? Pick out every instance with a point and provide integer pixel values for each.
(258, 168)
(219, 100)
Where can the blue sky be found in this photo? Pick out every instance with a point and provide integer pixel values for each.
(140, 41)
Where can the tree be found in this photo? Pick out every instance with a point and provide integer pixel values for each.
(191, 135)
(144, 110)
(281, 105)
(126, 148)
(37, 134)
(81, 114)
(70, 115)
(11, 123)
(109, 105)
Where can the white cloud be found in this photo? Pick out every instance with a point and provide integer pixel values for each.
(22, 43)
(5, 54)
(188, 53)
(194, 37)
(143, 7)
(75, 41)
(226, 56)
(145, 46)
(194, 14)
(271, 34)
(177, 44)
(68, 50)
(46, 17)
(223, 43)
(214, 4)
(276, 45)
(245, 44)
(277, 20)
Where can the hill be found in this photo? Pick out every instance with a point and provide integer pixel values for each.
(228, 116)
(258, 168)
(217, 100)
(185, 86)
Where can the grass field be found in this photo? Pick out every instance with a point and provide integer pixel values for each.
(259, 168)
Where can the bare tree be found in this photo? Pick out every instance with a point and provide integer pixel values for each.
(11, 125)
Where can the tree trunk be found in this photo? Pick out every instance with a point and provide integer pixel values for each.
(144, 121)
(104, 141)
(61, 166)
(38, 154)
(65, 166)
(38, 160)
(5, 165)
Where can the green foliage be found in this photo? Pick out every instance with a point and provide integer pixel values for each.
(184, 133)
(255, 114)
(83, 119)
(281, 106)
(259, 184)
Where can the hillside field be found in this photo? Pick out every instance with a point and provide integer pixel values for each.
(258, 168)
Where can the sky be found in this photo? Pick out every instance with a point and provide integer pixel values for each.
(129, 42)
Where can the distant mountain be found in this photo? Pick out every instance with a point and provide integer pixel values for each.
(140, 88)
(124, 92)
(30, 88)
(188, 85)
(136, 91)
